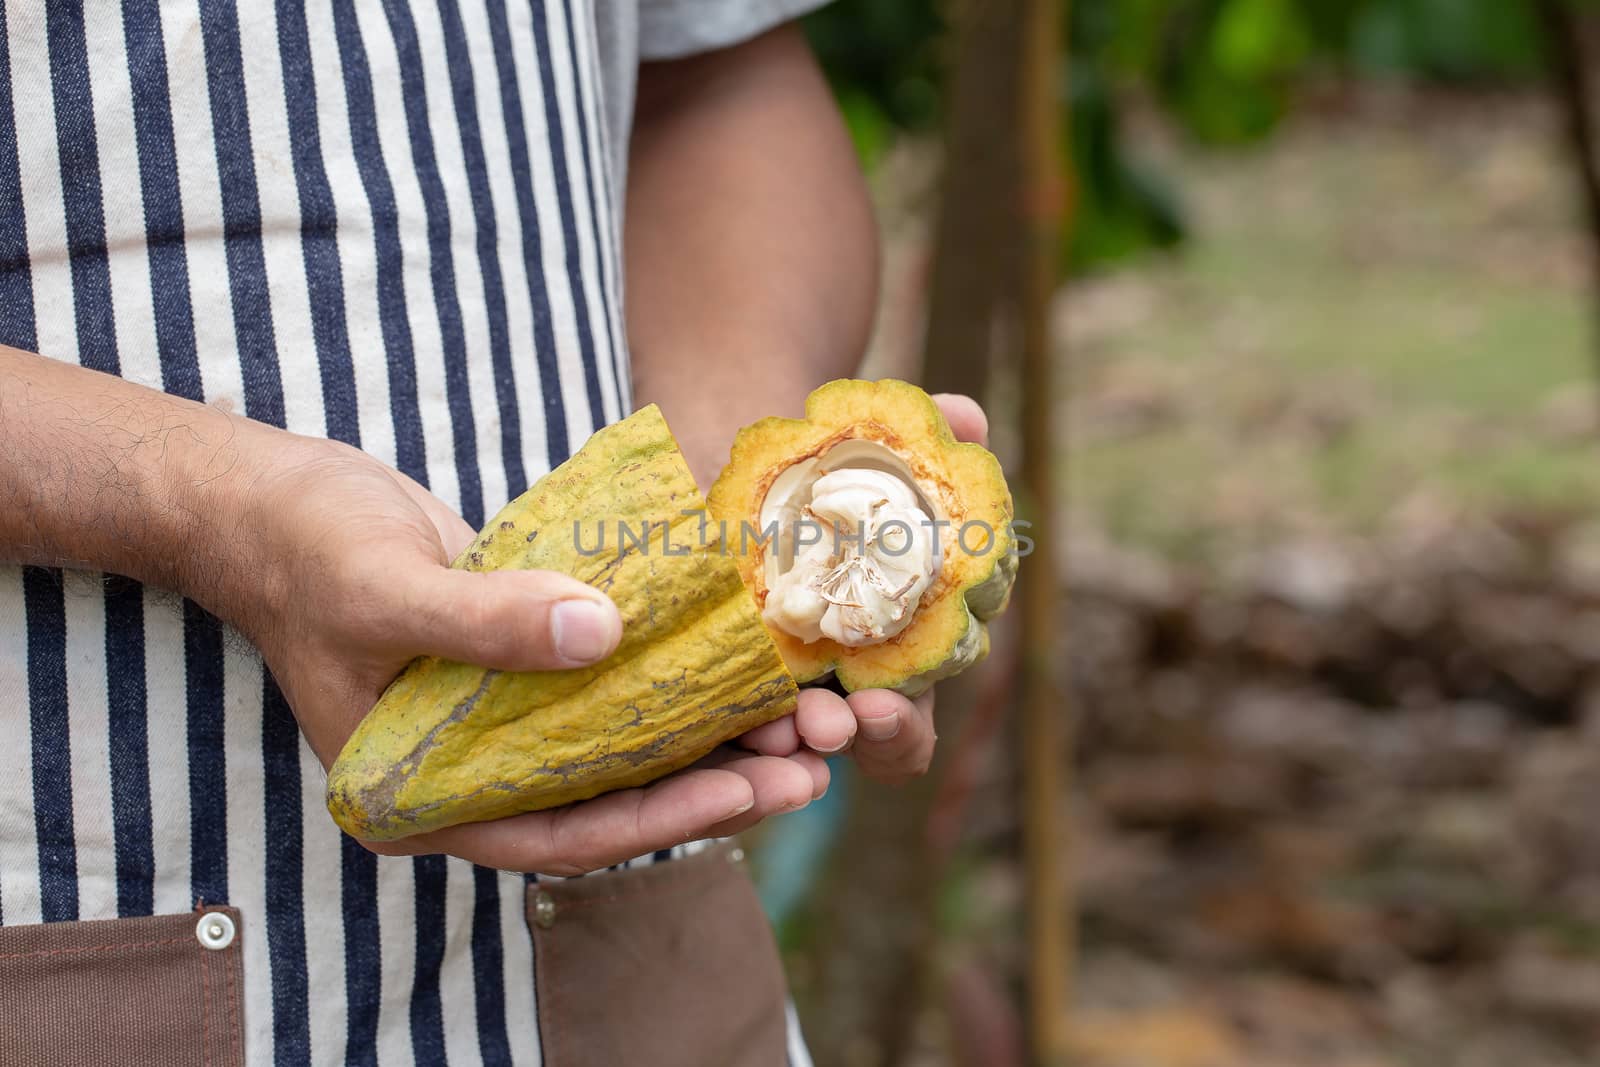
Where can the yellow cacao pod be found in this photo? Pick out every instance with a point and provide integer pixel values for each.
(450, 742)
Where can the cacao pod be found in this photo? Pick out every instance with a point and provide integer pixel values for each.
(861, 541)
(450, 742)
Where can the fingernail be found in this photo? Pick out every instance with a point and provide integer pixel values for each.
(581, 630)
(828, 751)
(740, 810)
(880, 727)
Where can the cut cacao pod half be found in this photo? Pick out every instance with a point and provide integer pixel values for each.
(875, 543)
(862, 541)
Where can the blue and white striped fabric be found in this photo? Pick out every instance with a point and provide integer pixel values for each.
(391, 224)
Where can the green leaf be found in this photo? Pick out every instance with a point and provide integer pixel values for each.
(1121, 208)
(871, 130)
(1254, 39)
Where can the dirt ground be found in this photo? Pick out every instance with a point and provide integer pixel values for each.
(1336, 612)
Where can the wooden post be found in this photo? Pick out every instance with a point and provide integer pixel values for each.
(1044, 757)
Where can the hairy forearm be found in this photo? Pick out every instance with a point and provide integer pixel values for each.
(97, 472)
(751, 249)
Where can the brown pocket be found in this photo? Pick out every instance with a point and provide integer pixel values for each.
(669, 964)
(141, 990)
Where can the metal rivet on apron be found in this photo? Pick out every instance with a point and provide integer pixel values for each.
(215, 930)
(736, 855)
(544, 909)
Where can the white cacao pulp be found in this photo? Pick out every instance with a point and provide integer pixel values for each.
(856, 546)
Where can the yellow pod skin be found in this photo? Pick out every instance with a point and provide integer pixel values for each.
(894, 427)
(451, 743)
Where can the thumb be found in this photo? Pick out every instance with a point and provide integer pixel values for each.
(965, 416)
(509, 620)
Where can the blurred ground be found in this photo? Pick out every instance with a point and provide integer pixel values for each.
(1336, 617)
(1337, 633)
(1381, 312)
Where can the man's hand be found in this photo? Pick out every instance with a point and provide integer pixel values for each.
(358, 558)
(891, 737)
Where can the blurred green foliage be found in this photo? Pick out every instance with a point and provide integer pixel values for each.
(1224, 72)
(885, 59)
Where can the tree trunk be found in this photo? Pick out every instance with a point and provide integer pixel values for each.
(976, 269)
(1569, 79)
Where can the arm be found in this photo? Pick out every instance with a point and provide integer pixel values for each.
(752, 263)
(99, 472)
(245, 519)
(336, 567)
(752, 258)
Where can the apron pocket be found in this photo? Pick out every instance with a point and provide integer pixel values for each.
(159, 989)
(671, 964)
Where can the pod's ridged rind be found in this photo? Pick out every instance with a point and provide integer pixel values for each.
(949, 632)
(450, 743)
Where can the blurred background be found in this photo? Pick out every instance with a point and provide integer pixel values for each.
(1288, 751)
